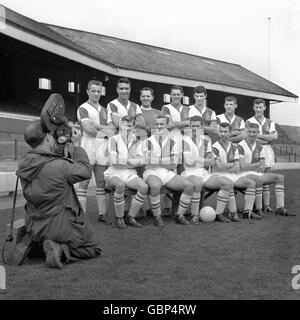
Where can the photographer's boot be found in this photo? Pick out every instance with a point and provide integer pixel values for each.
(53, 253)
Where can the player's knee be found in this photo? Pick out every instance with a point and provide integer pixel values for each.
(188, 187)
(280, 178)
(143, 188)
(226, 185)
(198, 187)
(155, 189)
(251, 184)
(120, 186)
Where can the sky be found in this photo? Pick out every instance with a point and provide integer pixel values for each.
(236, 31)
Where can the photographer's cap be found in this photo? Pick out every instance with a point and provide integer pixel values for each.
(52, 114)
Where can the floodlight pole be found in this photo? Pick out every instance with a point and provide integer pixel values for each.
(269, 48)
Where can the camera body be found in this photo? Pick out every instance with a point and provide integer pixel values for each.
(63, 134)
(53, 119)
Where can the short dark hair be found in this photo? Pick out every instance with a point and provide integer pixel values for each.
(177, 88)
(147, 89)
(225, 125)
(231, 98)
(253, 125)
(94, 82)
(200, 89)
(195, 118)
(259, 100)
(161, 116)
(128, 119)
(124, 80)
(34, 134)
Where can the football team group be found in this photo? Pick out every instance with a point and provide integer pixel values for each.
(182, 148)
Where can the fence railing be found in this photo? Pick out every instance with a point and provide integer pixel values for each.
(12, 149)
(286, 152)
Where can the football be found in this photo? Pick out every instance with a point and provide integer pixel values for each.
(207, 214)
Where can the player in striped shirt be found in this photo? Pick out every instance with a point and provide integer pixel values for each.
(92, 118)
(175, 111)
(267, 134)
(162, 157)
(200, 108)
(253, 165)
(125, 155)
(227, 164)
(122, 106)
(237, 124)
(197, 153)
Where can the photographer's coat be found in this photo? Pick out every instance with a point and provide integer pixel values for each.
(52, 210)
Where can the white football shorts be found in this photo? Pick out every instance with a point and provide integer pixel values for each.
(198, 172)
(126, 175)
(269, 155)
(96, 149)
(165, 175)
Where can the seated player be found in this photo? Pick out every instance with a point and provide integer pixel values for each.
(253, 165)
(125, 154)
(267, 134)
(228, 165)
(162, 154)
(197, 154)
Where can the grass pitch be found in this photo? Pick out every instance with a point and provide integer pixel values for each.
(209, 261)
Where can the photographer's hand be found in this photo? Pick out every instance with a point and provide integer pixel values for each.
(76, 137)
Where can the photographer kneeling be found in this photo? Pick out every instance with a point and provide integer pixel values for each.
(53, 214)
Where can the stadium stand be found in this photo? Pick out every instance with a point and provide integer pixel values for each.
(285, 147)
(283, 138)
(292, 132)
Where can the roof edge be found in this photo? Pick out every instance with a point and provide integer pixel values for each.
(140, 43)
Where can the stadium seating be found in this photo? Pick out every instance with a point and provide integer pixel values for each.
(32, 107)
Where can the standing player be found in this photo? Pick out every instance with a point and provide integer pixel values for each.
(237, 124)
(122, 106)
(125, 154)
(267, 134)
(227, 163)
(162, 158)
(199, 108)
(175, 111)
(253, 165)
(197, 154)
(93, 121)
(149, 113)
